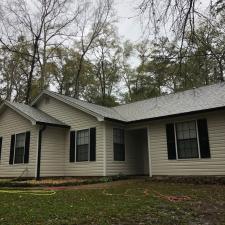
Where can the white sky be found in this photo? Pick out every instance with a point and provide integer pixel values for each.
(129, 24)
(128, 21)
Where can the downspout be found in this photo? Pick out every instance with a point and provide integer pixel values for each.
(39, 152)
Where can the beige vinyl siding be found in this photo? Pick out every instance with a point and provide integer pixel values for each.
(214, 166)
(12, 123)
(116, 167)
(53, 152)
(134, 163)
(78, 120)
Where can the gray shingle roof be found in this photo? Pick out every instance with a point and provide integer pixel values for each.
(199, 99)
(203, 98)
(34, 114)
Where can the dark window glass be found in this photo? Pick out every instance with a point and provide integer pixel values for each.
(118, 144)
(82, 147)
(0, 147)
(187, 144)
(19, 148)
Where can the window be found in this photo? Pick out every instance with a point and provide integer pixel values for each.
(118, 144)
(187, 141)
(19, 148)
(82, 147)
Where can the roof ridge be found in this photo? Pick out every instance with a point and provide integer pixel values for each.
(144, 100)
(194, 99)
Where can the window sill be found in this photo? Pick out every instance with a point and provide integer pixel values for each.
(83, 162)
(118, 161)
(19, 164)
(193, 159)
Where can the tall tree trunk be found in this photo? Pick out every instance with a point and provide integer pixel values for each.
(30, 77)
(77, 78)
(44, 62)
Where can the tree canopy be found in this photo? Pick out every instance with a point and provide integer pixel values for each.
(74, 48)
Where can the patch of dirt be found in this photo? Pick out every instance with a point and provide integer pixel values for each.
(210, 213)
(93, 186)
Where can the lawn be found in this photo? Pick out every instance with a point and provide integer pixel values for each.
(124, 202)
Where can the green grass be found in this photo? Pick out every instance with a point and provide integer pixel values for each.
(126, 203)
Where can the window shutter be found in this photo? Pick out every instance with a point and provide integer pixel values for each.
(203, 138)
(0, 148)
(27, 147)
(92, 144)
(11, 156)
(72, 145)
(171, 146)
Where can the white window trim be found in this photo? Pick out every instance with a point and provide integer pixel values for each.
(15, 149)
(89, 144)
(119, 161)
(197, 136)
(75, 146)
(175, 135)
(199, 152)
(89, 141)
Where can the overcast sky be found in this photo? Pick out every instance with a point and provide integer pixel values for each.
(128, 21)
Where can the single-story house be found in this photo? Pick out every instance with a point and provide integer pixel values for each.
(56, 135)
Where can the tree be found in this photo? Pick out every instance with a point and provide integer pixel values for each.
(62, 69)
(14, 70)
(41, 22)
(94, 19)
(178, 16)
(106, 66)
(211, 36)
(127, 72)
